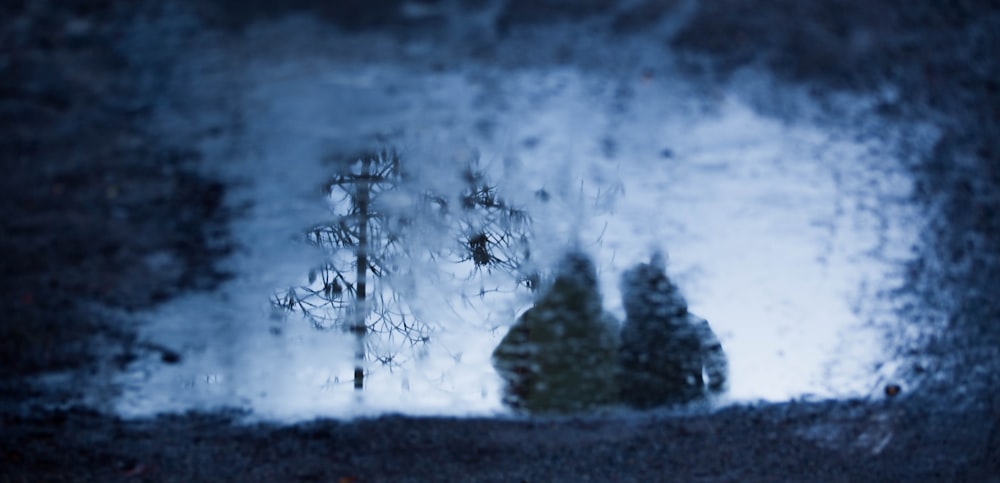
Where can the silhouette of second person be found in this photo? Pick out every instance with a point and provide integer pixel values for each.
(668, 356)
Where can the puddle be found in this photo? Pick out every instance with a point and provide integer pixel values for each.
(781, 234)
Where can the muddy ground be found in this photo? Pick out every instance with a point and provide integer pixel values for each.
(97, 210)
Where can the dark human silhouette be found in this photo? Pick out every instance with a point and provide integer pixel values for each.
(668, 356)
(561, 355)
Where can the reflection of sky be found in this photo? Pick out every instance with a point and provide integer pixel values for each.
(779, 235)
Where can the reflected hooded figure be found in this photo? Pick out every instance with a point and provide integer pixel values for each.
(668, 356)
(561, 355)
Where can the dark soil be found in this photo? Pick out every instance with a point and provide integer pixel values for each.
(94, 209)
(847, 441)
(97, 210)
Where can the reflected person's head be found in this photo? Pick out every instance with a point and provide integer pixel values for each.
(648, 292)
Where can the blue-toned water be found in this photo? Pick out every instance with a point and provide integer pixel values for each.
(782, 229)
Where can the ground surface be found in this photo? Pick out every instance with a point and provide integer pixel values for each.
(96, 209)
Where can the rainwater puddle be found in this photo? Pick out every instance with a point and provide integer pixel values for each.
(781, 234)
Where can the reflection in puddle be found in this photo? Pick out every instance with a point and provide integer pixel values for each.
(780, 235)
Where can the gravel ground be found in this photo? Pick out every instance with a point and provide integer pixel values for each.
(98, 210)
(845, 441)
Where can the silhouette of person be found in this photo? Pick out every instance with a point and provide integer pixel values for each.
(668, 356)
(561, 355)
